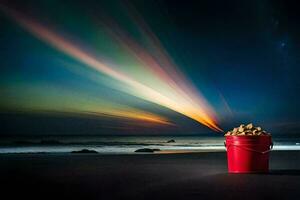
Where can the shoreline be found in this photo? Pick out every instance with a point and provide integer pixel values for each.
(11, 150)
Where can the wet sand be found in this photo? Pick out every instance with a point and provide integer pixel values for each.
(144, 176)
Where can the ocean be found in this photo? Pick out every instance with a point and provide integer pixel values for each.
(125, 144)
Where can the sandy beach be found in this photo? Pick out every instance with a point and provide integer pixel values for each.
(145, 176)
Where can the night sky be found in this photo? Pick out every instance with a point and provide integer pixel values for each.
(150, 67)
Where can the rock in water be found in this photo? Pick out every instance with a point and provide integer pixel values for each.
(146, 150)
(170, 141)
(85, 151)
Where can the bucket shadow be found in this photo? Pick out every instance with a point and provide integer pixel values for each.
(285, 172)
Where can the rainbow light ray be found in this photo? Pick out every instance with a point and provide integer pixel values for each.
(46, 98)
(177, 99)
(178, 86)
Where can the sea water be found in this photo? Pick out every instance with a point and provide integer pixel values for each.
(124, 144)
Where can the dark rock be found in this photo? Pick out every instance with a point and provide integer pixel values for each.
(85, 151)
(170, 141)
(146, 150)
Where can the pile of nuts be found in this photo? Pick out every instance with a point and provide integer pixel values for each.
(247, 130)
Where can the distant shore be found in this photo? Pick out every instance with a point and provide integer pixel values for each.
(124, 151)
(145, 176)
(126, 144)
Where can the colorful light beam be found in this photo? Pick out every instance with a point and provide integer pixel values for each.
(174, 93)
(40, 97)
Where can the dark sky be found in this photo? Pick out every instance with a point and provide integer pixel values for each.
(242, 56)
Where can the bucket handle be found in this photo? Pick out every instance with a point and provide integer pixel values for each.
(249, 149)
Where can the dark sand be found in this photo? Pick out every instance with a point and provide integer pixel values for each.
(140, 176)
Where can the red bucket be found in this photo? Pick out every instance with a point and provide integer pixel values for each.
(248, 154)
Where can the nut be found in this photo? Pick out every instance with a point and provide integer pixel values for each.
(241, 129)
(249, 126)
